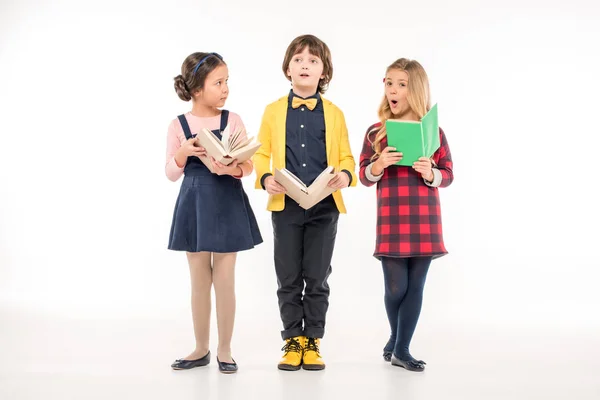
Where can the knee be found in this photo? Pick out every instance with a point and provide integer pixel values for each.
(394, 293)
(316, 284)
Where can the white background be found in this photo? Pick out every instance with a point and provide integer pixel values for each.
(86, 95)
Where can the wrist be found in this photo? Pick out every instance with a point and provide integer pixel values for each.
(430, 177)
(263, 180)
(180, 158)
(377, 168)
(237, 174)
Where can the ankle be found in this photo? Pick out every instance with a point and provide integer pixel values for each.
(389, 346)
(201, 350)
(404, 356)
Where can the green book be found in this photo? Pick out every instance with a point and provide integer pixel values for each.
(414, 139)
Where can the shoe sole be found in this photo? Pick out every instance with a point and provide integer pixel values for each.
(185, 369)
(406, 367)
(288, 367)
(313, 367)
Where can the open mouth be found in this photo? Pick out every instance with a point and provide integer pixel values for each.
(394, 103)
(304, 75)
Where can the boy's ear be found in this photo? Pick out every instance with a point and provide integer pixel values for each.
(289, 73)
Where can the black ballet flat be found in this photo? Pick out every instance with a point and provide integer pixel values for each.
(189, 364)
(388, 349)
(227, 368)
(410, 365)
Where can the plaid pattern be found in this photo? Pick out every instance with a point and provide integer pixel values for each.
(409, 220)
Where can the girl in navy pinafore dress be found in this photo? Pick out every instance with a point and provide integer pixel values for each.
(212, 212)
(213, 219)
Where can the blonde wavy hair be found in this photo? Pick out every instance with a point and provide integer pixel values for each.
(419, 98)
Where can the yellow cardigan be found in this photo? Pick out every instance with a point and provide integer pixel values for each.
(272, 139)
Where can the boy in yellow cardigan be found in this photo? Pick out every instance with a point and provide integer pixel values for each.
(304, 133)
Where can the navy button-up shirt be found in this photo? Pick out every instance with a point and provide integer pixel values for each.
(305, 154)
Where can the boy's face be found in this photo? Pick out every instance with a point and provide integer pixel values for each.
(305, 70)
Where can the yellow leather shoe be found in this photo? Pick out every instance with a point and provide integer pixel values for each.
(292, 358)
(312, 360)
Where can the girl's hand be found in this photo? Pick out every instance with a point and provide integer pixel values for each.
(188, 149)
(389, 156)
(272, 187)
(339, 181)
(424, 167)
(222, 169)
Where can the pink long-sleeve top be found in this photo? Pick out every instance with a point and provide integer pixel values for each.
(176, 137)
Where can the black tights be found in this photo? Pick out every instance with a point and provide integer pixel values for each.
(404, 281)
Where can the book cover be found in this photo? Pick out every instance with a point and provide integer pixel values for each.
(414, 139)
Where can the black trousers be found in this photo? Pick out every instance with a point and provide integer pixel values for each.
(303, 247)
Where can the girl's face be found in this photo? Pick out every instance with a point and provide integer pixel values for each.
(396, 92)
(215, 91)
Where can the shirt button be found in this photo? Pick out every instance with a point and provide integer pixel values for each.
(301, 126)
(302, 144)
(304, 165)
(302, 109)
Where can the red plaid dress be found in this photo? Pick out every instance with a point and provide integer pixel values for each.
(409, 220)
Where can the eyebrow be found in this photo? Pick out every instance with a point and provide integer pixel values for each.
(399, 80)
(309, 54)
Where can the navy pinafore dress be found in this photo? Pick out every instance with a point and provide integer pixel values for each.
(212, 212)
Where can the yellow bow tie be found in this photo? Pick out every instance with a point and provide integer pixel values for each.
(310, 103)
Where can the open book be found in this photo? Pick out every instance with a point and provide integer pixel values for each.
(305, 196)
(414, 139)
(233, 145)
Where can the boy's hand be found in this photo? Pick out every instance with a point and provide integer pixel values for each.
(272, 187)
(339, 181)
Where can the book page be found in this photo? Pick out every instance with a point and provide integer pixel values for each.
(318, 190)
(225, 139)
(294, 188)
(295, 180)
(431, 132)
(245, 153)
(322, 180)
(211, 143)
(234, 140)
(242, 143)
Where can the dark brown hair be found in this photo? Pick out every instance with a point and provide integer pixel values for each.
(194, 70)
(316, 47)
